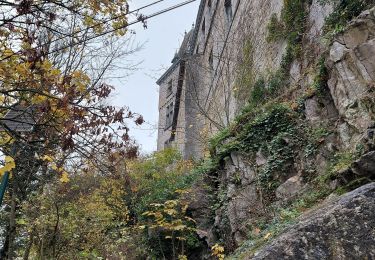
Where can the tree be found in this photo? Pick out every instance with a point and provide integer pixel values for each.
(53, 70)
(85, 218)
(139, 211)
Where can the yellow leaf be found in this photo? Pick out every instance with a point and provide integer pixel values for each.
(9, 165)
(182, 257)
(21, 221)
(64, 178)
(47, 158)
(170, 212)
(46, 65)
(37, 99)
(179, 227)
(267, 235)
(9, 162)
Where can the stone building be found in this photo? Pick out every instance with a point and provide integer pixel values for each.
(171, 126)
(200, 93)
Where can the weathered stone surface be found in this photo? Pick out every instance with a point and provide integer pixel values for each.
(237, 167)
(342, 229)
(352, 75)
(317, 15)
(365, 165)
(318, 110)
(246, 204)
(241, 192)
(199, 209)
(290, 188)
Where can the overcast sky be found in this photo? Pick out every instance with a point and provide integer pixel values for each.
(161, 40)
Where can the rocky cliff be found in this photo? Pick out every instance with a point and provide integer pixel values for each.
(307, 133)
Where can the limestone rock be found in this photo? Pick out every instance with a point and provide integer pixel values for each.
(290, 188)
(342, 229)
(317, 15)
(352, 75)
(320, 110)
(260, 159)
(365, 165)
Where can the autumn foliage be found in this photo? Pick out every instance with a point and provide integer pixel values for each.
(53, 71)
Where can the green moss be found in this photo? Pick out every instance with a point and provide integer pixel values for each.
(206, 167)
(282, 151)
(315, 137)
(218, 138)
(264, 128)
(291, 27)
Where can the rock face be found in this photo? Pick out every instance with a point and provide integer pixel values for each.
(343, 229)
(352, 77)
(342, 119)
(290, 188)
(243, 202)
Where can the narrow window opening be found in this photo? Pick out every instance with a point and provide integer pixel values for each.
(170, 88)
(228, 10)
(169, 116)
(211, 59)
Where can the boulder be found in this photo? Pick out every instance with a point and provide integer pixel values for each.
(341, 229)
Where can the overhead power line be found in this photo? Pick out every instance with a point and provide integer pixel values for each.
(107, 21)
(144, 18)
(139, 20)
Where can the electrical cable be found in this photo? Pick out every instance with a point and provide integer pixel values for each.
(144, 18)
(140, 19)
(106, 21)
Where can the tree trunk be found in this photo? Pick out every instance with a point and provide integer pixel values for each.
(29, 245)
(12, 224)
(173, 247)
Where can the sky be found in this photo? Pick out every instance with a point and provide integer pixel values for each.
(160, 40)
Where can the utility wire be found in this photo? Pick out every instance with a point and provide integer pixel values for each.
(140, 19)
(106, 21)
(144, 18)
